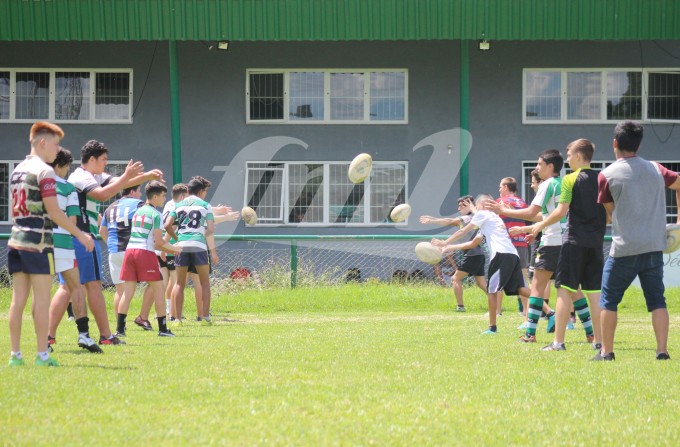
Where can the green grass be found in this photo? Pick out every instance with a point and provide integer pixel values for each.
(353, 365)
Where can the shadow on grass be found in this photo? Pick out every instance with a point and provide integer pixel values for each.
(107, 367)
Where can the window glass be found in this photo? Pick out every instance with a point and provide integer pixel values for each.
(388, 91)
(72, 96)
(663, 101)
(266, 96)
(543, 95)
(624, 95)
(32, 95)
(112, 99)
(583, 96)
(306, 96)
(347, 96)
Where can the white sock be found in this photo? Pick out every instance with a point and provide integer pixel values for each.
(44, 355)
(167, 306)
(17, 354)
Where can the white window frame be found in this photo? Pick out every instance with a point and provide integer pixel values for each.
(11, 165)
(327, 96)
(285, 206)
(52, 94)
(603, 94)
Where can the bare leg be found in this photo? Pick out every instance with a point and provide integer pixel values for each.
(203, 274)
(178, 291)
(562, 314)
(21, 287)
(42, 291)
(660, 324)
(198, 293)
(117, 296)
(595, 313)
(147, 301)
(71, 291)
(457, 284)
(95, 299)
(608, 320)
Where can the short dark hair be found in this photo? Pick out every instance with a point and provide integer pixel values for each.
(584, 147)
(179, 189)
(92, 148)
(128, 190)
(63, 158)
(553, 157)
(628, 136)
(154, 188)
(198, 184)
(467, 198)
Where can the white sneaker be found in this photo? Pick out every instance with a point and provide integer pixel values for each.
(85, 342)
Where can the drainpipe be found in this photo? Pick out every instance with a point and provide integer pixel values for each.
(464, 115)
(174, 114)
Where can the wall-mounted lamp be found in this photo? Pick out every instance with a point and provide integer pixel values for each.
(449, 147)
(484, 45)
(223, 45)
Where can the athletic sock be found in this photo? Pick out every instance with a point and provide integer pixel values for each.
(69, 310)
(533, 314)
(493, 328)
(83, 325)
(583, 312)
(167, 306)
(162, 325)
(17, 354)
(121, 322)
(44, 355)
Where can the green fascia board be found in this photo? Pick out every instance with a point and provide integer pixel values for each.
(338, 20)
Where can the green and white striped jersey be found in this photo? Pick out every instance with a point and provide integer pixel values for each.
(146, 219)
(67, 196)
(85, 182)
(191, 215)
(548, 197)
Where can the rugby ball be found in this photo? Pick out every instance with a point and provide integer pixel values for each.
(428, 253)
(672, 238)
(249, 215)
(400, 212)
(360, 168)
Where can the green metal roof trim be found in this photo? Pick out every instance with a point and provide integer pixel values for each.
(333, 20)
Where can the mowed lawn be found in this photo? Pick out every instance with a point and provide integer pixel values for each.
(368, 364)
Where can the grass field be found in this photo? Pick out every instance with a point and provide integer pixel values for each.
(352, 365)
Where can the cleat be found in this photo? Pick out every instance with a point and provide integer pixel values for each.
(663, 356)
(551, 323)
(85, 342)
(14, 361)
(570, 326)
(606, 358)
(167, 333)
(554, 346)
(51, 340)
(522, 327)
(597, 346)
(49, 362)
(206, 322)
(590, 338)
(176, 323)
(144, 324)
(112, 340)
(120, 334)
(489, 332)
(527, 339)
(460, 309)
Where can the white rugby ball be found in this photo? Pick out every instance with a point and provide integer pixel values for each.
(360, 168)
(428, 253)
(672, 238)
(400, 212)
(249, 215)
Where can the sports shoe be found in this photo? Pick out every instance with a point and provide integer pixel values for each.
(14, 361)
(597, 346)
(72, 319)
(112, 340)
(144, 324)
(206, 322)
(522, 327)
(167, 333)
(460, 308)
(663, 356)
(120, 334)
(551, 324)
(85, 342)
(527, 339)
(176, 323)
(606, 358)
(554, 346)
(49, 362)
(51, 340)
(590, 338)
(489, 332)
(570, 326)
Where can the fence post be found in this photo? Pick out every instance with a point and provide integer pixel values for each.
(293, 263)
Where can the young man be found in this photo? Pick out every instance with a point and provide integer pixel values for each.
(195, 235)
(548, 166)
(166, 260)
(70, 290)
(581, 258)
(140, 262)
(504, 271)
(473, 256)
(94, 186)
(30, 256)
(632, 192)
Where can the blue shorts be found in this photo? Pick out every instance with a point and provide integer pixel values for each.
(89, 263)
(192, 259)
(619, 273)
(30, 262)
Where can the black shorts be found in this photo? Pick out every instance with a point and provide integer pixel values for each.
(546, 258)
(30, 262)
(472, 265)
(580, 266)
(505, 274)
(169, 262)
(191, 259)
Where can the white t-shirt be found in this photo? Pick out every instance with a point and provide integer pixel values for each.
(493, 229)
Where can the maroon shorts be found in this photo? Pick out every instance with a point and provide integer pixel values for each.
(140, 265)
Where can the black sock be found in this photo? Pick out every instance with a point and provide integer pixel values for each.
(161, 324)
(69, 309)
(83, 325)
(493, 328)
(121, 322)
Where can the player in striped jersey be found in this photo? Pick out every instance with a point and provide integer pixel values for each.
(140, 262)
(30, 257)
(65, 263)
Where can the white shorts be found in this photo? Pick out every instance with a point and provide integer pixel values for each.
(64, 264)
(115, 266)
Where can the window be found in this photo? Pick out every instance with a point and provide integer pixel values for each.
(73, 96)
(597, 96)
(319, 193)
(327, 96)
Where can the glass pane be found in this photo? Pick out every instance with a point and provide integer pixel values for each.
(584, 93)
(305, 193)
(306, 96)
(347, 96)
(266, 96)
(388, 189)
(346, 199)
(4, 95)
(4, 191)
(32, 96)
(624, 96)
(663, 100)
(72, 96)
(265, 185)
(388, 93)
(543, 95)
(112, 96)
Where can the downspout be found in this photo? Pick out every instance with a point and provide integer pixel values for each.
(464, 116)
(174, 114)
